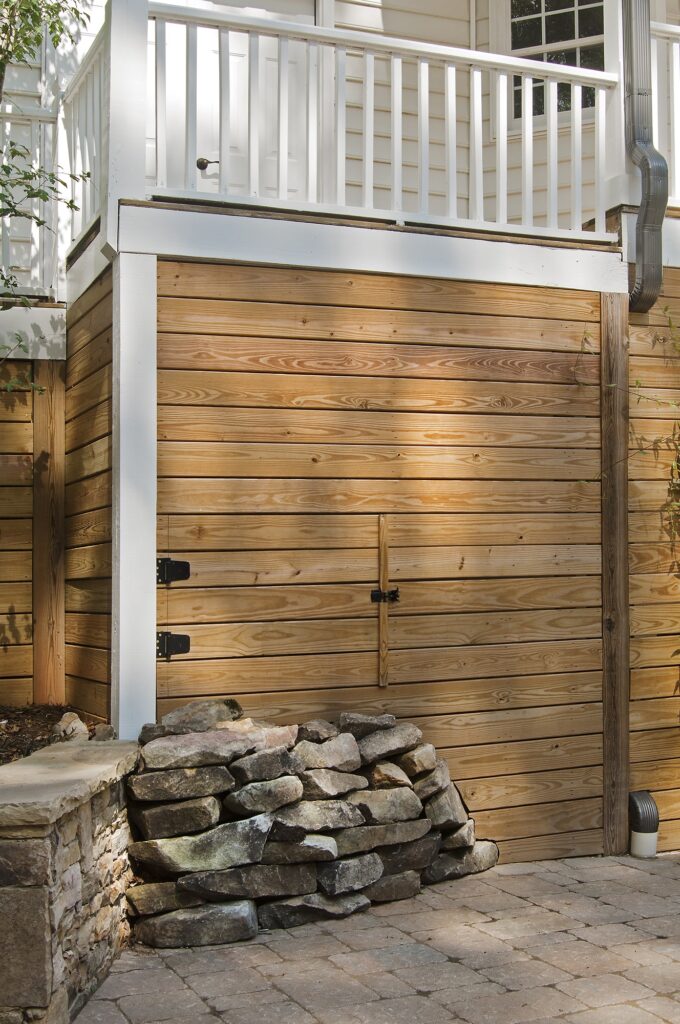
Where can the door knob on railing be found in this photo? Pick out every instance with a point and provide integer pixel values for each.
(203, 163)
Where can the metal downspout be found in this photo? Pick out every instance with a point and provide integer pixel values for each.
(653, 167)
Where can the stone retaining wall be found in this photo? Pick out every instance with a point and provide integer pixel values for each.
(244, 825)
(64, 872)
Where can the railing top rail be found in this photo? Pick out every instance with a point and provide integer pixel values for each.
(382, 44)
(10, 112)
(661, 30)
(96, 46)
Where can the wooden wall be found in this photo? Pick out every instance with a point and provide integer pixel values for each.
(16, 539)
(654, 553)
(296, 407)
(88, 500)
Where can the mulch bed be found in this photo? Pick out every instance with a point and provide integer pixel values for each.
(24, 730)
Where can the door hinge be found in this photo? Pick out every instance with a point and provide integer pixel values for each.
(385, 596)
(169, 570)
(168, 644)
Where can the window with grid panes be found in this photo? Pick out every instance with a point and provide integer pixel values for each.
(569, 32)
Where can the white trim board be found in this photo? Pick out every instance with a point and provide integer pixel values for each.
(86, 269)
(133, 625)
(42, 329)
(203, 235)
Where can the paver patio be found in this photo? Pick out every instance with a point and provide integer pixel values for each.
(586, 941)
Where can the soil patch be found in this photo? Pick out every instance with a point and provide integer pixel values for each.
(24, 730)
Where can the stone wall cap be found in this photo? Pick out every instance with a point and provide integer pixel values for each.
(39, 789)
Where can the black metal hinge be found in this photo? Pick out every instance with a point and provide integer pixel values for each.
(168, 644)
(169, 570)
(385, 596)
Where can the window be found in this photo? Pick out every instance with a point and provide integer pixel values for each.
(569, 32)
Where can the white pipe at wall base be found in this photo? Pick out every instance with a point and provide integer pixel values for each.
(643, 844)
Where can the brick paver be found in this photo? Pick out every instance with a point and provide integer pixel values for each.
(583, 940)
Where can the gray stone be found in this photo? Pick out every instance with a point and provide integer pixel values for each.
(151, 731)
(181, 783)
(310, 849)
(209, 925)
(256, 881)
(385, 774)
(260, 797)
(25, 947)
(263, 734)
(421, 759)
(201, 715)
(363, 725)
(158, 898)
(434, 782)
(457, 863)
(24, 862)
(194, 749)
(383, 806)
(340, 753)
(446, 810)
(370, 837)
(341, 876)
(103, 733)
(462, 837)
(238, 842)
(176, 819)
(266, 765)
(317, 731)
(292, 823)
(305, 909)
(411, 856)
(321, 783)
(384, 744)
(394, 887)
(70, 726)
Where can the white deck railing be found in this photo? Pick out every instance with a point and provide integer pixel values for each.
(666, 106)
(29, 250)
(348, 123)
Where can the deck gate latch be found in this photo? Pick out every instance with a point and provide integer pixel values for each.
(168, 644)
(385, 596)
(169, 570)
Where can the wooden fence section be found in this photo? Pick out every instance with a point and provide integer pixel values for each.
(88, 500)
(295, 409)
(16, 538)
(654, 580)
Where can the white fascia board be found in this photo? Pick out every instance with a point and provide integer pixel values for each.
(86, 269)
(194, 234)
(670, 239)
(40, 329)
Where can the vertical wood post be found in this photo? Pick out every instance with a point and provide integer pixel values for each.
(615, 616)
(48, 533)
(133, 622)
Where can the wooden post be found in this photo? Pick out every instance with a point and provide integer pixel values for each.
(48, 533)
(615, 618)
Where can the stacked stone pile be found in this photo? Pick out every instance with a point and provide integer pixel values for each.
(243, 824)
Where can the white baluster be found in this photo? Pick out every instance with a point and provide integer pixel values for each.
(161, 107)
(501, 147)
(600, 153)
(576, 157)
(369, 117)
(656, 90)
(312, 122)
(82, 147)
(340, 123)
(552, 204)
(225, 109)
(36, 232)
(283, 118)
(89, 132)
(675, 120)
(254, 114)
(96, 157)
(396, 88)
(451, 131)
(191, 116)
(527, 151)
(476, 150)
(423, 135)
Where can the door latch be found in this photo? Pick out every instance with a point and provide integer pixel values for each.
(168, 644)
(385, 596)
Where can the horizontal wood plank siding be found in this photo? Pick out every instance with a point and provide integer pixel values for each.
(88, 500)
(653, 558)
(295, 408)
